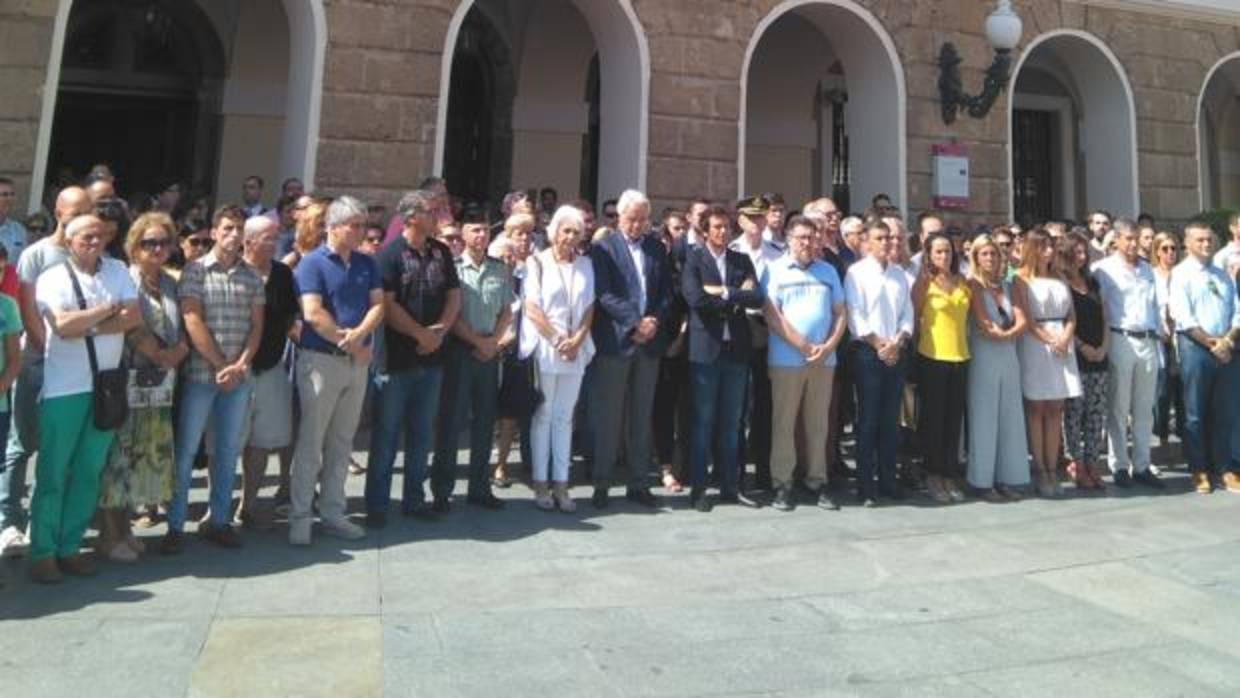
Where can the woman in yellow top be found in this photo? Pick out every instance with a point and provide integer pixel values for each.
(941, 298)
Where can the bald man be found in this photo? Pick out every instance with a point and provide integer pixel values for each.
(23, 438)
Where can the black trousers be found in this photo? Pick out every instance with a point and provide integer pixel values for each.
(672, 405)
(756, 431)
(942, 386)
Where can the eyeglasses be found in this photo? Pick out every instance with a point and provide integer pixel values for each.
(152, 244)
(200, 242)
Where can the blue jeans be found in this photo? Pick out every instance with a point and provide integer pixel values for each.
(1207, 409)
(20, 443)
(405, 404)
(472, 388)
(879, 389)
(227, 410)
(718, 402)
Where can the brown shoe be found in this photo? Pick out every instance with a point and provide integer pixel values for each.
(1201, 483)
(1231, 482)
(45, 571)
(78, 565)
(223, 536)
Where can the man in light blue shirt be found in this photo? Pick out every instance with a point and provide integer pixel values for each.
(12, 232)
(1129, 297)
(805, 311)
(1207, 322)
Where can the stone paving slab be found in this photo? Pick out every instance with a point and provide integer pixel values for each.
(1131, 595)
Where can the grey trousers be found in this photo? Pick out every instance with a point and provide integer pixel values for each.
(622, 398)
(331, 390)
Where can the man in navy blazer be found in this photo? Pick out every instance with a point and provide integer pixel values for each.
(633, 294)
(718, 285)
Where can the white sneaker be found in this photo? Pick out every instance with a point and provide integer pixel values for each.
(299, 531)
(343, 528)
(13, 542)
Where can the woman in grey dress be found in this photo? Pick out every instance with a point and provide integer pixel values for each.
(998, 451)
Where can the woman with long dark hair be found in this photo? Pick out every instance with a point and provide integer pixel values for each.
(1085, 416)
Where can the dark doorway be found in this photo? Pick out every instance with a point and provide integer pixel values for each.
(139, 90)
(1033, 184)
(478, 136)
(590, 141)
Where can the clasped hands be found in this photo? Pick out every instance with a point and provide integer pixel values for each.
(430, 338)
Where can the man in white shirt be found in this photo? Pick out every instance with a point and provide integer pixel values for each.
(1128, 295)
(1227, 258)
(252, 197)
(880, 317)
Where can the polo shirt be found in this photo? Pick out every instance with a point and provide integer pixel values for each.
(486, 288)
(344, 288)
(1204, 297)
(421, 282)
(805, 296)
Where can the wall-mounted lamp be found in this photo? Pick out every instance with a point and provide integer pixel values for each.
(1003, 30)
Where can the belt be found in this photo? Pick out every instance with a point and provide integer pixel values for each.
(330, 351)
(1136, 334)
(1051, 319)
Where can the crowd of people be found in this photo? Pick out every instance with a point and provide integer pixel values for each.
(143, 339)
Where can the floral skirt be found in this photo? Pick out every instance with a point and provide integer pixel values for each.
(139, 469)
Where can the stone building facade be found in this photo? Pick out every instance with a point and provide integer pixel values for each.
(1125, 104)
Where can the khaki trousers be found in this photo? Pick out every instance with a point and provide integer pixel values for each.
(805, 393)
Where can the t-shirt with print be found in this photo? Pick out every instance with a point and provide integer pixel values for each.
(421, 281)
(67, 364)
(804, 296)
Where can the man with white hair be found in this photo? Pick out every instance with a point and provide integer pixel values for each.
(270, 421)
(341, 307)
(633, 287)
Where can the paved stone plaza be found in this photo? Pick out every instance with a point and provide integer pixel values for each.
(1129, 595)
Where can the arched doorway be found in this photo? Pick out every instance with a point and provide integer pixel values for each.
(1218, 135)
(541, 60)
(822, 106)
(1073, 143)
(238, 81)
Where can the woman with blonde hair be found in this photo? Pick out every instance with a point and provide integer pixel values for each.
(138, 472)
(1048, 368)
(311, 231)
(514, 244)
(1166, 254)
(998, 449)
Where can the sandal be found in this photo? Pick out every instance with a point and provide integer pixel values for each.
(670, 483)
(501, 480)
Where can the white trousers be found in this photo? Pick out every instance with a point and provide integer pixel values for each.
(1131, 389)
(551, 428)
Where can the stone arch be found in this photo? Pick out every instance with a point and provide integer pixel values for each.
(624, 60)
(1077, 80)
(307, 45)
(1218, 135)
(875, 110)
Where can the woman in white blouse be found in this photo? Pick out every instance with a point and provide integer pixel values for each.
(559, 307)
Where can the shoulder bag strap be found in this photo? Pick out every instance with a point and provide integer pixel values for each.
(81, 299)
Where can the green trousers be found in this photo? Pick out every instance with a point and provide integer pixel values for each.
(66, 490)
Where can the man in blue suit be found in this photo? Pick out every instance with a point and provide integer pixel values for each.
(632, 286)
(719, 284)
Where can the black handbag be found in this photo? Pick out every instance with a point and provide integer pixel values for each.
(519, 395)
(110, 396)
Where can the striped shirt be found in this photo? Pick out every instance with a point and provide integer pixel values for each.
(227, 297)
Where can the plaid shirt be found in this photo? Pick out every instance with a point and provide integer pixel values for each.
(227, 297)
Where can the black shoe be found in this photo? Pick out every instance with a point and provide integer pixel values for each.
(223, 536)
(1149, 479)
(1122, 478)
(700, 502)
(738, 499)
(376, 519)
(442, 505)
(601, 498)
(826, 501)
(172, 543)
(487, 501)
(420, 511)
(783, 500)
(641, 496)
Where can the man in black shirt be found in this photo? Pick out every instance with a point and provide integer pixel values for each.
(421, 300)
(270, 421)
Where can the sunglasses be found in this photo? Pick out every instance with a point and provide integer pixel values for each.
(37, 229)
(1166, 248)
(200, 242)
(152, 244)
(376, 239)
